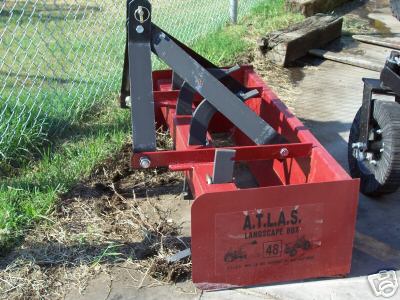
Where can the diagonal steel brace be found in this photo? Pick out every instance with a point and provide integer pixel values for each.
(207, 85)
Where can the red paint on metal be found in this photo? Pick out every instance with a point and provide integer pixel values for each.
(327, 212)
(245, 153)
(298, 223)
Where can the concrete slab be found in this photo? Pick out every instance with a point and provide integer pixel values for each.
(335, 289)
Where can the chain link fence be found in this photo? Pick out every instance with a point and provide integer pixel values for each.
(62, 59)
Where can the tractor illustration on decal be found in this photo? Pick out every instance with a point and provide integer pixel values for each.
(237, 254)
(233, 255)
(301, 243)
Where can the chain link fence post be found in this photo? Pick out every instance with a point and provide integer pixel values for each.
(234, 11)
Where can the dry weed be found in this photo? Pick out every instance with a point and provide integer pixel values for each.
(113, 218)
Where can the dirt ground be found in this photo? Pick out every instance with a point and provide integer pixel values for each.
(117, 217)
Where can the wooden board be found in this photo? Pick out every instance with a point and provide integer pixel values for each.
(379, 41)
(353, 60)
(284, 47)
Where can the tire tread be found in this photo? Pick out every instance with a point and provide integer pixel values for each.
(385, 177)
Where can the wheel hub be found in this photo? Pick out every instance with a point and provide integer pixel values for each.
(370, 152)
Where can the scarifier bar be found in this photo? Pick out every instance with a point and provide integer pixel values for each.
(272, 205)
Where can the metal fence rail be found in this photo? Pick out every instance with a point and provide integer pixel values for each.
(60, 59)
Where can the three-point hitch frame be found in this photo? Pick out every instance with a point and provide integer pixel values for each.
(192, 74)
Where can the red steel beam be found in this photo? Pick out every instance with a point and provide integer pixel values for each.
(246, 153)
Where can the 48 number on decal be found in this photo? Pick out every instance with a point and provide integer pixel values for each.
(273, 249)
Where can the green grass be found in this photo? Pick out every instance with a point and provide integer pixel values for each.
(29, 197)
(97, 128)
(58, 63)
(226, 45)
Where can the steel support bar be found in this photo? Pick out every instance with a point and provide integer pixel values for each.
(234, 85)
(200, 123)
(390, 75)
(371, 86)
(184, 106)
(125, 89)
(177, 82)
(246, 153)
(223, 166)
(224, 100)
(187, 94)
(391, 79)
(230, 82)
(203, 115)
(140, 74)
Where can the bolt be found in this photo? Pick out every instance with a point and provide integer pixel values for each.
(359, 155)
(209, 179)
(284, 152)
(139, 29)
(141, 14)
(369, 156)
(128, 101)
(360, 146)
(394, 60)
(144, 162)
(381, 150)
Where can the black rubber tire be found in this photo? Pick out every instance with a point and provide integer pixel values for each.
(395, 6)
(383, 178)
